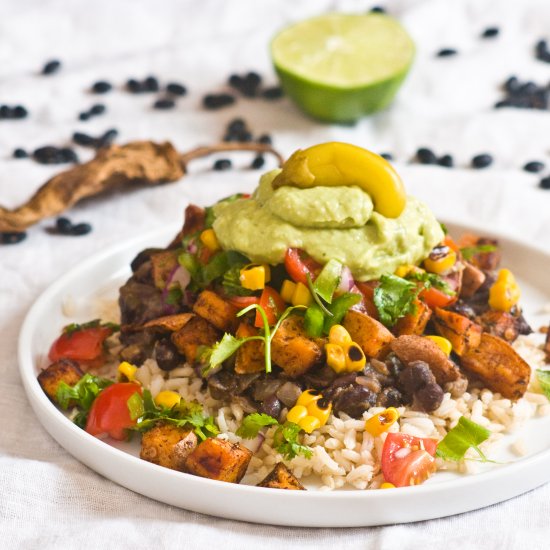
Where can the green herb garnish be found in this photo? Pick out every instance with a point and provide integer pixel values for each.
(465, 435)
(431, 280)
(95, 323)
(328, 280)
(543, 376)
(232, 282)
(253, 423)
(469, 252)
(394, 298)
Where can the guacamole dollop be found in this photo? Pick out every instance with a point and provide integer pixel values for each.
(328, 223)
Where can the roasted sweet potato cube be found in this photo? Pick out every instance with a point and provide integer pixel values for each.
(371, 335)
(250, 356)
(196, 333)
(413, 323)
(463, 333)
(281, 478)
(216, 310)
(293, 350)
(219, 459)
(64, 370)
(168, 445)
(499, 366)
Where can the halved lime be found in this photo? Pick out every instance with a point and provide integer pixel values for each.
(339, 67)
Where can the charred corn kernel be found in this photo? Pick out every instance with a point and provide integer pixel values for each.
(504, 293)
(355, 358)
(440, 260)
(404, 270)
(387, 485)
(253, 277)
(127, 371)
(287, 290)
(208, 238)
(301, 296)
(444, 344)
(380, 423)
(309, 423)
(320, 409)
(167, 399)
(339, 335)
(296, 414)
(336, 357)
(307, 397)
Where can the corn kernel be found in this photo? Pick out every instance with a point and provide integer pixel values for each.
(296, 414)
(309, 423)
(339, 335)
(404, 270)
(208, 238)
(355, 358)
(320, 409)
(127, 371)
(440, 262)
(380, 423)
(444, 344)
(336, 357)
(287, 290)
(167, 399)
(253, 278)
(301, 296)
(504, 294)
(307, 397)
(387, 485)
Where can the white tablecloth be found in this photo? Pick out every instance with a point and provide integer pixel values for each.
(47, 498)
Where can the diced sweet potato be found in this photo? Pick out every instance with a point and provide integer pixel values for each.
(163, 264)
(196, 333)
(501, 324)
(64, 370)
(410, 348)
(499, 366)
(463, 333)
(293, 350)
(168, 445)
(219, 459)
(170, 323)
(216, 310)
(371, 335)
(472, 279)
(250, 356)
(281, 478)
(413, 323)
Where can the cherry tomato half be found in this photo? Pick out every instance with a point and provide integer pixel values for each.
(408, 460)
(433, 298)
(273, 306)
(299, 265)
(110, 414)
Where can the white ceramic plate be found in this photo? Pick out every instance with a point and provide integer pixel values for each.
(442, 495)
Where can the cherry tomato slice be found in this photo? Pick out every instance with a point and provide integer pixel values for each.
(408, 460)
(433, 298)
(298, 265)
(273, 305)
(109, 414)
(82, 345)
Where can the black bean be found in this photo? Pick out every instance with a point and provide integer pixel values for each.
(68, 155)
(5, 111)
(258, 162)
(217, 101)
(134, 86)
(81, 229)
(512, 84)
(151, 84)
(51, 66)
(164, 103)
(446, 52)
(84, 139)
(527, 88)
(265, 138)
(20, 153)
(534, 166)
(482, 161)
(175, 88)
(84, 116)
(490, 32)
(235, 81)
(541, 47)
(222, 164)
(273, 92)
(236, 125)
(544, 183)
(250, 83)
(501, 104)
(53, 155)
(387, 156)
(107, 138)
(12, 237)
(426, 156)
(19, 112)
(97, 109)
(245, 136)
(101, 87)
(231, 137)
(378, 9)
(64, 226)
(446, 160)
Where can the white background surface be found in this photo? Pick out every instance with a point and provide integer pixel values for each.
(47, 498)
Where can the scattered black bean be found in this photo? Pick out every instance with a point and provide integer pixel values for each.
(10, 237)
(541, 51)
(84, 116)
(426, 156)
(235, 81)
(482, 161)
(378, 9)
(64, 226)
(20, 153)
(175, 88)
(247, 85)
(51, 67)
(387, 156)
(165, 103)
(217, 101)
(273, 92)
(97, 109)
(134, 86)
(524, 95)
(258, 162)
(20, 112)
(534, 166)
(236, 126)
(151, 84)
(54, 155)
(544, 183)
(84, 139)
(446, 52)
(490, 32)
(13, 113)
(446, 160)
(101, 87)
(81, 229)
(222, 164)
(266, 139)
(5, 111)
(107, 138)
(512, 84)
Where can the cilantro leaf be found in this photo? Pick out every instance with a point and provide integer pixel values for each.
(285, 441)
(222, 350)
(232, 282)
(95, 323)
(543, 376)
(431, 280)
(394, 298)
(253, 423)
(465, 435)
(469, 252)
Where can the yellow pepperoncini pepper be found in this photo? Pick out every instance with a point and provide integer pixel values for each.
(504, 293)
(343, 354)
(441, 259)
(310, 412)
(381, 422)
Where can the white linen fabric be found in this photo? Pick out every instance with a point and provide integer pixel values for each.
(50, 500)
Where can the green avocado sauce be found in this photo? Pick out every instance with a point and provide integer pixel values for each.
(328, 223)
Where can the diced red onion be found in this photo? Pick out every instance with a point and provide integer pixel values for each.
(181, 276)
(192, 247)
(346, 281)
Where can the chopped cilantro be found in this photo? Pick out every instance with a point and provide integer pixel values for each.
(465, 435)
(253, 423)
(431, 280)
(543, 376)
(394, 298)
(95, 323)
(469, 252)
